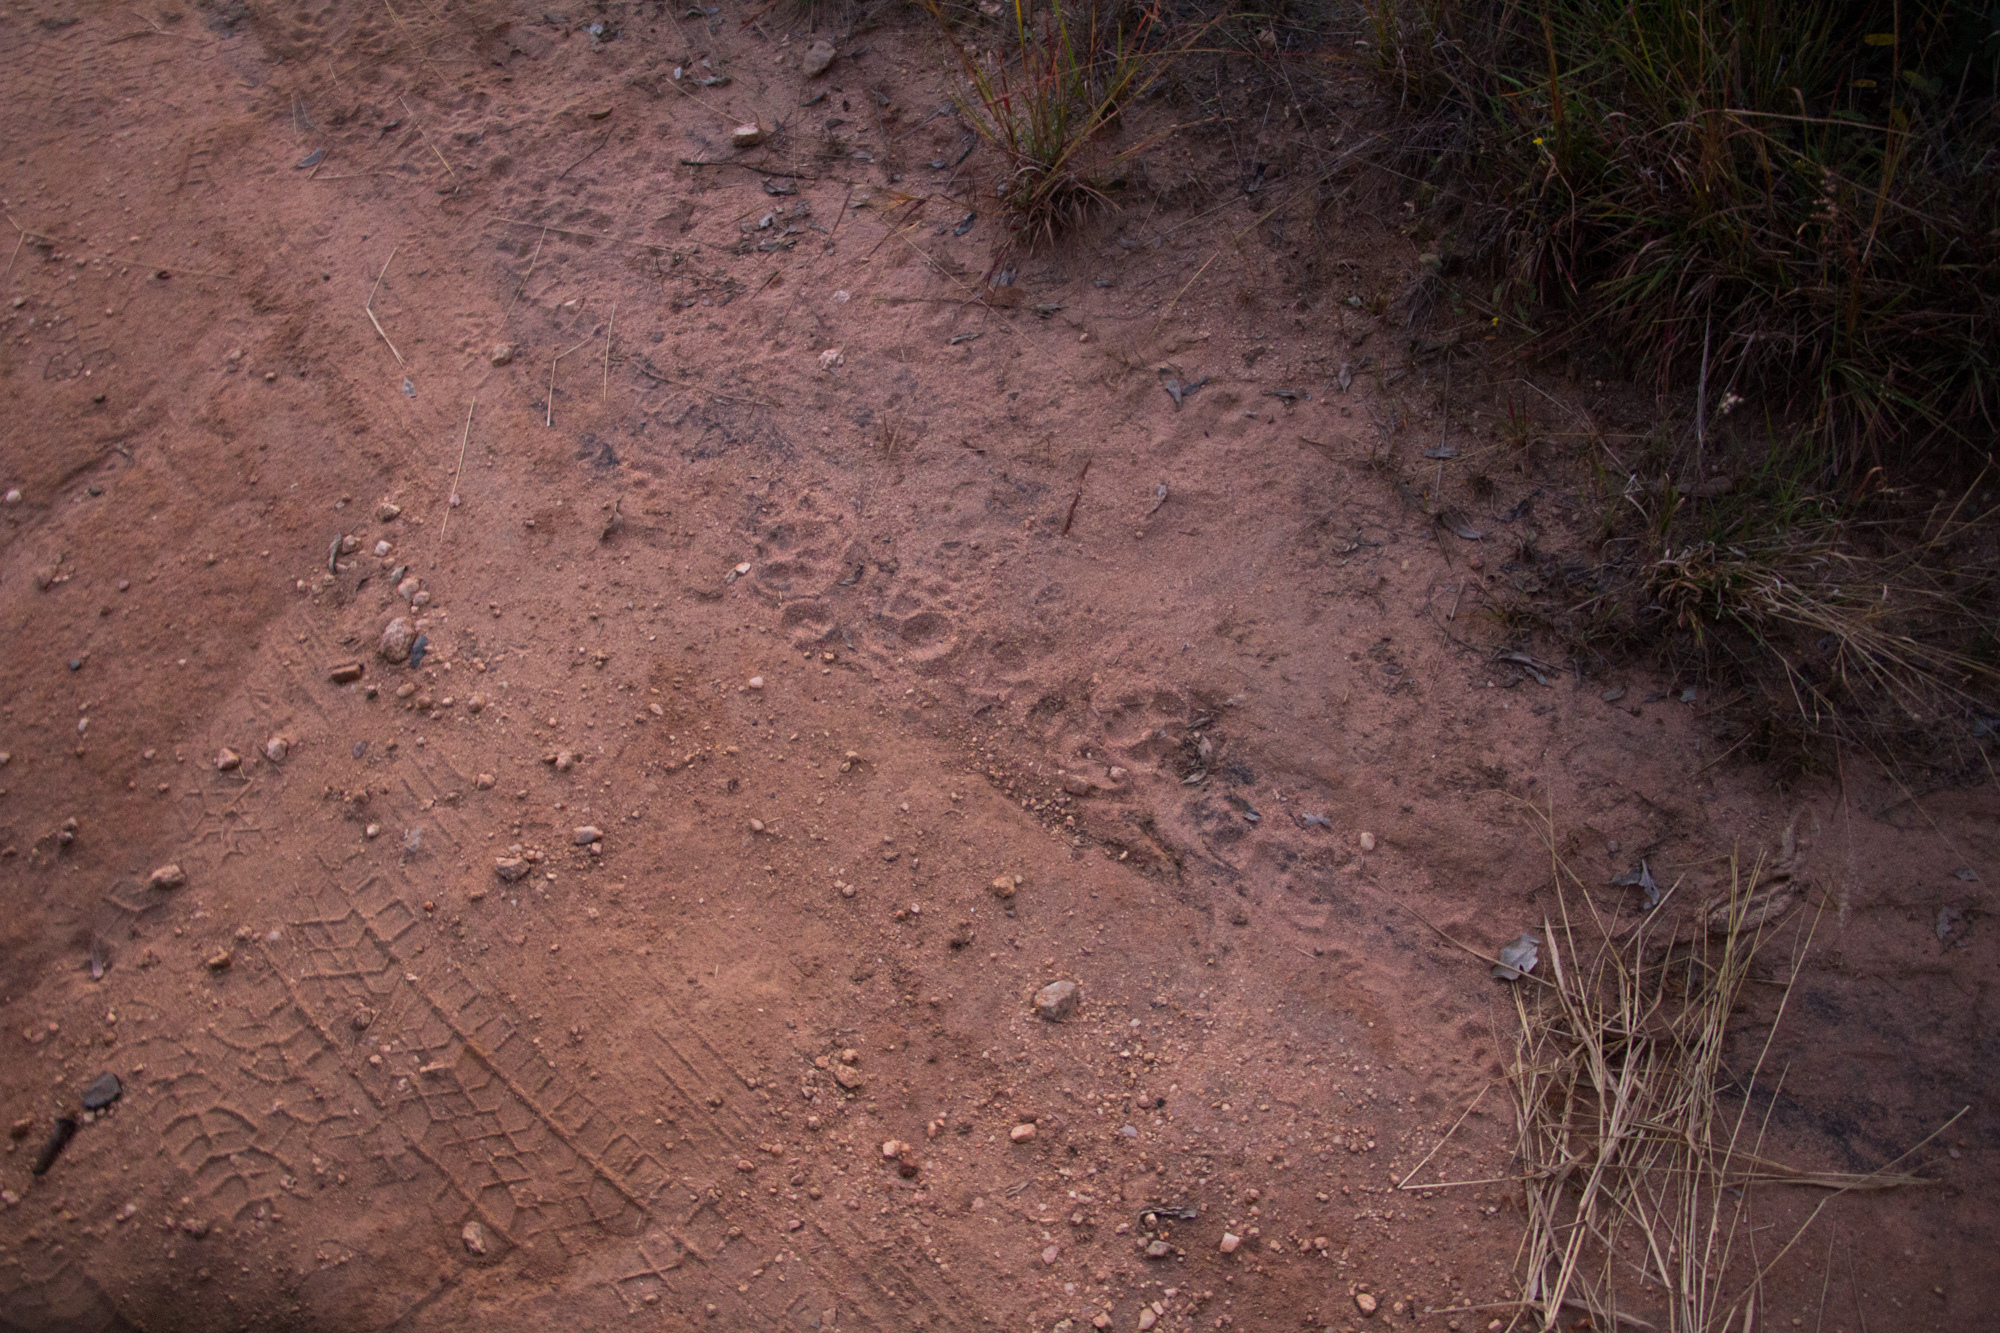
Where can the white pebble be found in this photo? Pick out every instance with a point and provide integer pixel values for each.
(1367, 842)
(756, 682)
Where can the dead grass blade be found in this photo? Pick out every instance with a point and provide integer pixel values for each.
(1638, 1149)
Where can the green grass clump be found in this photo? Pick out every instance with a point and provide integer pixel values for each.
(1793, 203)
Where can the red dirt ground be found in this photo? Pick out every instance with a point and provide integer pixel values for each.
(984, 650)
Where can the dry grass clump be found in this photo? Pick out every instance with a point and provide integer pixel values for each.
(1641, 1154)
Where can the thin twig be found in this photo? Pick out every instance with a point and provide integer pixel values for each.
(552, 376)
(532, 260)
(609, 324)
(369, 306)
(456, 184)
(452, 502)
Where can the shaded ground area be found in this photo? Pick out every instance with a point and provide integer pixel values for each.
(824, 596)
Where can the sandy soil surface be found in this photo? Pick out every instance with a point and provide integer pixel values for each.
(818, 661)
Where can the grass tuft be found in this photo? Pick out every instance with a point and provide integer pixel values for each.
(1047, 103)
(1790, 203)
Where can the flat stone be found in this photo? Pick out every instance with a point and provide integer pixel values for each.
(169, 876)
(474, 1237)
(747, 135)
(510, 869)
(587, 834)
(1056, 1001)
(819, 59)
(1021, 1133)
(1158, 1249)
(345, 673)
(220, 960)
(104, 1091)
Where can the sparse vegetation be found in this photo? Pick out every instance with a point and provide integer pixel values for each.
(1793, 204)
(1784, 220)
(1641, 1100)
(1047, 98)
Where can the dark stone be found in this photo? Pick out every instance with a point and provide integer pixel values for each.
(106, 1090)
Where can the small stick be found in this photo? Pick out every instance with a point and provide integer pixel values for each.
(609, 324)
(552, 377)
(369, 307)
(463, 440)
(586, 157)
(1070, 517)
(533, 259)
(23, 239)
(843, 213)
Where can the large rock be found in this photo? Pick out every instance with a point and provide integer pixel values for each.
(397, 636)
(819, 58)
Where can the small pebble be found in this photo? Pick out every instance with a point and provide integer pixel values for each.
(1367, 842)
(501, 354)
(1229, 1242)
(756, 682)
(484, 782)
(474, 1237)
(1366, 1303)
(382, 548)
(1146, 1316)
(220, 960)
(1056, 1001)
(372, 831)
(387, 512)
(227, 761)
(1158, 1249)
(1021, 1133)
(1049, 1256)
(747, 135)
(345, 673)
(169, 876)
(510, 868)
(587, 834)
(276, 749)
(408, 588)
(819, 58)
(1003, 887)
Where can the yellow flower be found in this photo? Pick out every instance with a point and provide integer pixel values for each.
(1538, 142)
